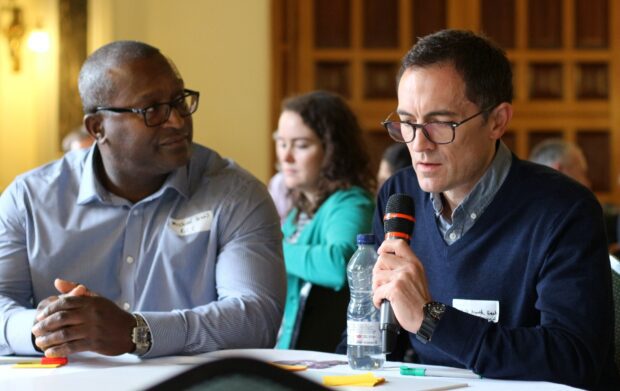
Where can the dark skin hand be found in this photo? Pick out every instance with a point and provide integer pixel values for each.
(78, 320)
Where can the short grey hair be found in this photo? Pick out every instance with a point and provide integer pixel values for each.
(95, 86)
(551, 151)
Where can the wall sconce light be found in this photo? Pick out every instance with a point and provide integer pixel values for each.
(15, 32)
(39, 40)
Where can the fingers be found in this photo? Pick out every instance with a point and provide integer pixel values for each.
(67, 348)
(64, 286)
(398, 276)
(56, 322)
(80, 290)
(387, 283)
(62, 342)
(59, 304)
(72, 324)
(45, 302)
(395, 246)
(72, 288)
(399, 248)
(385, 273)
(393, 255)
(380, 292)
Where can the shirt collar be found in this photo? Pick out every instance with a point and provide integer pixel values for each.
(486, 188)
(92, 190)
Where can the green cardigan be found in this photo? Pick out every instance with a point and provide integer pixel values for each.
(323, 248)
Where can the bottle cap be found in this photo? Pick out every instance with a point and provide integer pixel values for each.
(365, 239)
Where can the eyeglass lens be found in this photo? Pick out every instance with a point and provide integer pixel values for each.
(159, 113)
(436, 132)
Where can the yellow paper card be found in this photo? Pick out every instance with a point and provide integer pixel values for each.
(35, 364)
(364, 380)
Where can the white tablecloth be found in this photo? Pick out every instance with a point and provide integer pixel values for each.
(127, 372)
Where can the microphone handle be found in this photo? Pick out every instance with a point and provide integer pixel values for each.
(388, 324)
(389, 327)
(388, 319)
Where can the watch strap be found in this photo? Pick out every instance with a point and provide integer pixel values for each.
(433, 311)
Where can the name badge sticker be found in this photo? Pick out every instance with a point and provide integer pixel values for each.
(200, 222)
(487, 309)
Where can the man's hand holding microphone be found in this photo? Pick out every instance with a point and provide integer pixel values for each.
(399, 282)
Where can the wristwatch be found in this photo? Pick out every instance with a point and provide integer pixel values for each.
(433, 311)
(141, 336)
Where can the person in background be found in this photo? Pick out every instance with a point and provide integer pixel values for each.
(568, 158)
(565, 157)
(161, 246)
(507, 272)
(77, 139)
(395, 157)
(324, 162)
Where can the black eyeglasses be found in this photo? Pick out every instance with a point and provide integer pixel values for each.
(438, 132)
(157, 114)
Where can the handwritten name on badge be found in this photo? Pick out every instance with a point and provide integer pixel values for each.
(190, 225)
(487, 309)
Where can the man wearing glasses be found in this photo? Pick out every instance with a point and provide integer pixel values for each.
(160, 245)
(507, 272)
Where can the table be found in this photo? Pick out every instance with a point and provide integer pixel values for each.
(127, 372)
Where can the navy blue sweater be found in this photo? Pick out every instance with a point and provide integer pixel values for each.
(540, 250)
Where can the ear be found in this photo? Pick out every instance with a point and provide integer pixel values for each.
(94, 126)
(499, 118)
(557, 166)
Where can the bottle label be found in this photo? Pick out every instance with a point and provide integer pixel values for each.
(363, 333)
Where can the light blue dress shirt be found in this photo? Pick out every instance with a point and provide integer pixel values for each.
(200, 259)
(469, 211)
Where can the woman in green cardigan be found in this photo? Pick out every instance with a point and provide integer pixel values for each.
(325, 165)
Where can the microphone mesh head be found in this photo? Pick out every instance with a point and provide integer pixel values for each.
(399, 204)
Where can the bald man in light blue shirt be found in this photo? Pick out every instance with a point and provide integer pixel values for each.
(176, 250)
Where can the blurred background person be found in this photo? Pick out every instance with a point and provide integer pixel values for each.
(324, 162)
(564, 156)
(77, 139)
(568, 158)
(395, 157)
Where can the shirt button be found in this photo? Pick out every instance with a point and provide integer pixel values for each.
(130, 260)
(135, 212)
(452, 236)
(473, 216)
(126, 306)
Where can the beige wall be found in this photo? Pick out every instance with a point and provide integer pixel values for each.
(222, 49)
(28, 98)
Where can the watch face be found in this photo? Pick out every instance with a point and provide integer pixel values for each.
(141, 335)
(435, 309)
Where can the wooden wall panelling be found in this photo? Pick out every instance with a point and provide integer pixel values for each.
(614, 100)
(565, 63)
(72, 53)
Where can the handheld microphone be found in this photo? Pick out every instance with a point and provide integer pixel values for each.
(398, 223)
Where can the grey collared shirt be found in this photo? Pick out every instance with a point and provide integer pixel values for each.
(469, 211)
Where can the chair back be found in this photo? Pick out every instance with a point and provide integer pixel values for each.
(321, 318)
(615, 279)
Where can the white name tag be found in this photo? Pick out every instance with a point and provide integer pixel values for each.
(190, 225)
(487, 309)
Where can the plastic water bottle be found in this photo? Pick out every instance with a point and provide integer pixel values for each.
(363, 335)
